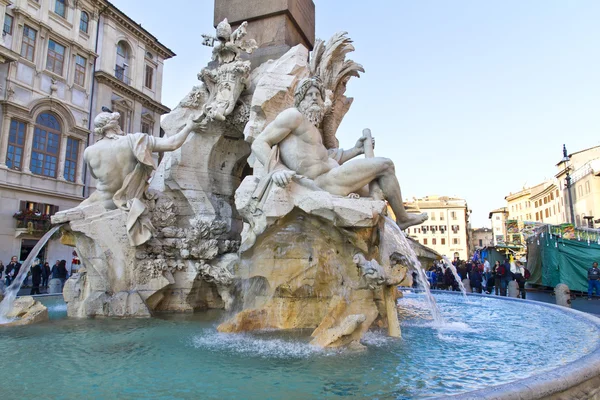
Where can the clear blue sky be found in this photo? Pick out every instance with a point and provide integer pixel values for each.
(469, 98)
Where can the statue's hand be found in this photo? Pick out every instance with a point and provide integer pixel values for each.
(360, 144)
(282, 178)
(198, 125)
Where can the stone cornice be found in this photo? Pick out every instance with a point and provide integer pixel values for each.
(38, 190)
(113, 82)
(135, 28)
(24, 113)
(7, 55)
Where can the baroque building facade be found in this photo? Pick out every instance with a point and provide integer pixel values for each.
(60, 62)
(447, 229)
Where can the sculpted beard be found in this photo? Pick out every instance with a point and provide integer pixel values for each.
(314, 113)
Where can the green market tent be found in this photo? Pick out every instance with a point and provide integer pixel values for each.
(553, 260)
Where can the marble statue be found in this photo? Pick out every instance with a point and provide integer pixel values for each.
(292, 146)
(122, 164)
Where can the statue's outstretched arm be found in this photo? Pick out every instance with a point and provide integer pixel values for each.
(176, 141)
(286, 122)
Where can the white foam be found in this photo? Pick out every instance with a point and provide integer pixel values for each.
(248, 344)
(376, 339)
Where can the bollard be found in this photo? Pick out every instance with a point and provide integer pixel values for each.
(513, 289)
(563, 295)
(467, 284)
(54, 286)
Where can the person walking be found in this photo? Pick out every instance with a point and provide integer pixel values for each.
(36, 276)
(45, 274)
(593, 280)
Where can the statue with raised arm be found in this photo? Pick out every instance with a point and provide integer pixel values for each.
(295, 140)
(122, 164)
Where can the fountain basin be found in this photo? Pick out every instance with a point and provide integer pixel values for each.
(490, 348)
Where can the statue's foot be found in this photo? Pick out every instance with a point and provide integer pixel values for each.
(412, 219)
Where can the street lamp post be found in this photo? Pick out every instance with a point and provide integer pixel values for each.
(566, 160)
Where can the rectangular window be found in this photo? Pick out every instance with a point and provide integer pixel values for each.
(148, 80)
(71, 159)
(28, 43)
(44, 154)
(16, 141)
(547, 213)
(441, 216)
(80, 70)
(480, 242)
(455, 241)
(56, 57)
(587, 187)
(453, 215)
(8, 25)
(433, 242)
(145, 127)
(443, 241)
(433, 215)
(425, 241)
(59, 8)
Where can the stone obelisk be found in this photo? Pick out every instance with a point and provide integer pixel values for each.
(276, 25)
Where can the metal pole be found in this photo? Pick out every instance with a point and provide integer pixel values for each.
(566, 160)
(568, 179)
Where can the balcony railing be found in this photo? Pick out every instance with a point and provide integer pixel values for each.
(120, 74)
(34, 222)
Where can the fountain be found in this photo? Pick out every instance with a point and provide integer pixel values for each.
(257, 217)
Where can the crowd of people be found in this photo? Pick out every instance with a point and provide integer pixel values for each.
(483, 277)
(39, 273)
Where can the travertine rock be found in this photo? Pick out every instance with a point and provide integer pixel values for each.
(27, 311)
(180, 269)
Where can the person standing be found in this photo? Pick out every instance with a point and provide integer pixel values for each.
(593, 280)
(12, 270)
(36, 276)
(519, 275)
(62, 272)
(45, 274)
(475, 279)
(497, 278)
(54, 271)
(487, 274)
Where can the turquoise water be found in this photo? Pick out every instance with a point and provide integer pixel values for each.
(486, 342)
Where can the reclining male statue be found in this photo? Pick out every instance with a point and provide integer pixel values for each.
(122, 164)
(296, 133)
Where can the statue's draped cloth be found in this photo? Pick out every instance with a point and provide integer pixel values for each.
(130, 197)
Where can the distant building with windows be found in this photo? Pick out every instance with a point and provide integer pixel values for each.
(480, 238)
(60, 62)
(447, 229)
(499, 217)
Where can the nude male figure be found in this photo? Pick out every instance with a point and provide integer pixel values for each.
(115, 155)
(301, 150)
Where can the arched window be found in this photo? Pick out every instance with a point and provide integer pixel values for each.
(122, 65)
(46, 142)
(84, 22)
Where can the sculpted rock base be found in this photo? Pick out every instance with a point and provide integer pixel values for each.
(27, 311)
(118, 280)
(301, 273)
